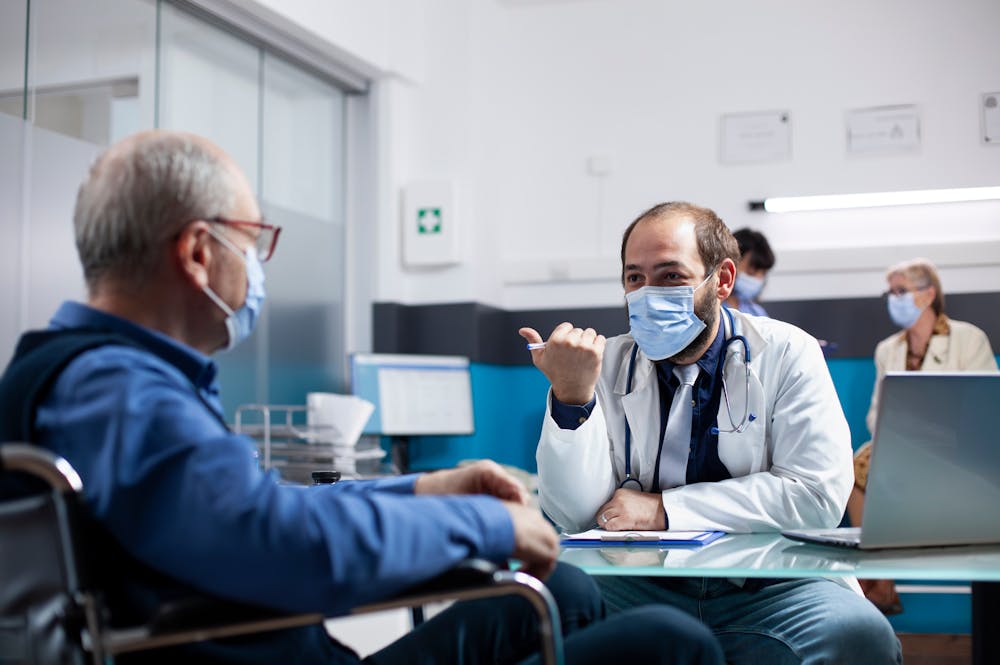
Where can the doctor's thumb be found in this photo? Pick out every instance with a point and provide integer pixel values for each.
(530, 335)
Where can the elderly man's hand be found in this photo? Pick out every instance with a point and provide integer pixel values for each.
(482, 477)
(536, 545)
(570, 360)
(630, 510)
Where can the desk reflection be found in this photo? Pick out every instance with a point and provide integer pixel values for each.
(772, 555)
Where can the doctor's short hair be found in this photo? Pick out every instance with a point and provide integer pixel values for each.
(920, 273)
(755, 244)
(141, 193)
(715, 242)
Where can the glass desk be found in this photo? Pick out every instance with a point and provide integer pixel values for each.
(772, 555)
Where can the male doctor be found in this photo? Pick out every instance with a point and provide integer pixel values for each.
(703, 418)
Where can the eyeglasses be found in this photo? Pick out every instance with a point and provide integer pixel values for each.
(903, 290)
(265, 238)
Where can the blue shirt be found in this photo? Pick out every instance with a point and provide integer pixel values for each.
(184, 495)
(704, 464)
(751, 307)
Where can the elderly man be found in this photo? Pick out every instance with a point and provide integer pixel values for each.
(172, 246)
(704, 418)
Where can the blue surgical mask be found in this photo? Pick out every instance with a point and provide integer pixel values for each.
(748, 287)
(662, 319)
(903, 310)
(240, 323)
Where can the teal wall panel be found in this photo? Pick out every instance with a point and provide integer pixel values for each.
(933, 612)
(854, 379)
(508, 405)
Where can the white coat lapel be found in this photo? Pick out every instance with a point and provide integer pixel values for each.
(638, 404)
(743, 453)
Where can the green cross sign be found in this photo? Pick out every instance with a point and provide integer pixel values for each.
(428, 220)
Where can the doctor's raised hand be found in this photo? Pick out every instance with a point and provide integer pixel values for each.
(570, 360)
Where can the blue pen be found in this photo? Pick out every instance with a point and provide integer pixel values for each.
(532, 346)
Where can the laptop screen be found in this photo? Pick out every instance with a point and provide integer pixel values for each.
(935, 469)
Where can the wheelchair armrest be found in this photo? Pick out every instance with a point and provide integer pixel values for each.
(477, 579)
(195, 619)
(205, 612)
(465, 574)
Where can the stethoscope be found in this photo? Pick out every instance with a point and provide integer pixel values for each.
(745, 421)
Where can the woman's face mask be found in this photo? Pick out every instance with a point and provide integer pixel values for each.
(662, 319)
(903, 310)
(241, 322)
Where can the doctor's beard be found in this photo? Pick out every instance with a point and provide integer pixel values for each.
(706, 308)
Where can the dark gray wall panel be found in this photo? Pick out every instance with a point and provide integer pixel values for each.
(489, 335)
(856, 325)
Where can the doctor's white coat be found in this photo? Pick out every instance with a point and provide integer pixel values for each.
(791, 467)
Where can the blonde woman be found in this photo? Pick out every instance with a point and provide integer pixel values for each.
(929, 341)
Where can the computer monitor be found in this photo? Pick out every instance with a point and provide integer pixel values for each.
(414, 394)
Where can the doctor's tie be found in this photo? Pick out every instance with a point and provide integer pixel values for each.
(677, 436)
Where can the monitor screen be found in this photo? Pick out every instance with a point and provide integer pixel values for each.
(414, 394)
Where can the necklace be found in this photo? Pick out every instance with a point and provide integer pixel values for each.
(914, 360)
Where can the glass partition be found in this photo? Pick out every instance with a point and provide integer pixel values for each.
(210, 84)
(12, 131)
(302, 190)
(91, 67)
(85, 65)
(13, 41)
(77, 76)
(13, 26)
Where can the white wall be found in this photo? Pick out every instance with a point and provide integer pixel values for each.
(517, 96)
(375, 37)
(510, 98)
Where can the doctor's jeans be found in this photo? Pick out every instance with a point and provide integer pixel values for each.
(505, 630)
(779, 622)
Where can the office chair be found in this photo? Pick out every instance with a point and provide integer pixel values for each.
(50, 611)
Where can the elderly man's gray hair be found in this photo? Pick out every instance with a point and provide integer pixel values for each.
(142, 192)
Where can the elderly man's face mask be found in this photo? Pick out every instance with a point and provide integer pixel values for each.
(241, 322)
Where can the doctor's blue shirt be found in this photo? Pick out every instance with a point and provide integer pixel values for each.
(182, 494)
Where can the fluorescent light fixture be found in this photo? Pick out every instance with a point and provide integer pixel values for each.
(875, 199)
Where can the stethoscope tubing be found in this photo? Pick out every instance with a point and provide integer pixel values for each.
(745, 421)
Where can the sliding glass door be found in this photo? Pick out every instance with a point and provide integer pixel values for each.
(77, 76)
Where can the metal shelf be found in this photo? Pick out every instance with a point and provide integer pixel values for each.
(295, 449)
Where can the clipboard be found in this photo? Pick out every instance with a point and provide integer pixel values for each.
(602, 538)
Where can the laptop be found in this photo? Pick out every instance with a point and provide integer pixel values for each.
(934, 477)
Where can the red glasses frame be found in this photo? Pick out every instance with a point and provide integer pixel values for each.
(265, 240)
